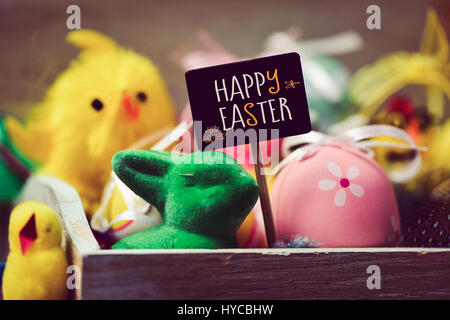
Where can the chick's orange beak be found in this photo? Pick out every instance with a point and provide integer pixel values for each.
(413, 129)
(28, 234)
(131, 111)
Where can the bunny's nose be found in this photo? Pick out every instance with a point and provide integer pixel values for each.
(131, 111)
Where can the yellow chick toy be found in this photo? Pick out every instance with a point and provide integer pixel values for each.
(106, 100)
(36, 265)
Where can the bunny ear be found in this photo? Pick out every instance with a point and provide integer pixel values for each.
(144, 172)
(90, 41)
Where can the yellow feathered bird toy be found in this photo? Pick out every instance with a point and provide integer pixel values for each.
(429, 68)
(373, 85)
(107, 99)
(36, 266)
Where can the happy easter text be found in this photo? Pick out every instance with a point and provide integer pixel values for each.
(251, 113)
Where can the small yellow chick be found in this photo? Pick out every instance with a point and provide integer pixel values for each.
(109, 98)
(36, 265)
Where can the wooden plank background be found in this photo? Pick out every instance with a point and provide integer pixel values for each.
(36, 49)
(266, 274)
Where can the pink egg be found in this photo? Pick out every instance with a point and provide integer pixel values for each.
(337, 197)
(187, 141)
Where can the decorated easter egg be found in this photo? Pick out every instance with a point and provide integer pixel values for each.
(325, 90)
(122, 229)
(252, 234)
(336, 197)
(249, 234)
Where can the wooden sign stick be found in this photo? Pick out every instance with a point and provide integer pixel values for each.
(263, 195)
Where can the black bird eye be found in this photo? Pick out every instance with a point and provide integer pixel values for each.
(141, 96)
(97, 104)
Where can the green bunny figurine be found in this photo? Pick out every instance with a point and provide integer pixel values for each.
(202, 204)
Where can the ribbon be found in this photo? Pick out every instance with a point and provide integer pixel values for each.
(138, 210)
(357, 138)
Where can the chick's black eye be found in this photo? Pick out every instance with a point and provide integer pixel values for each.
(141, 96)
(97, 104)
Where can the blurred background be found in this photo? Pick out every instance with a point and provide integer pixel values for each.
(33, 47)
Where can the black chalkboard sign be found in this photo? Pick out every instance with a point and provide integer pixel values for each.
(248, 101)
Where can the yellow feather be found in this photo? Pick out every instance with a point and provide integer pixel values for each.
(83, 139)
(40, 272)
(371, 85)
(34, 140)
(90, 40)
